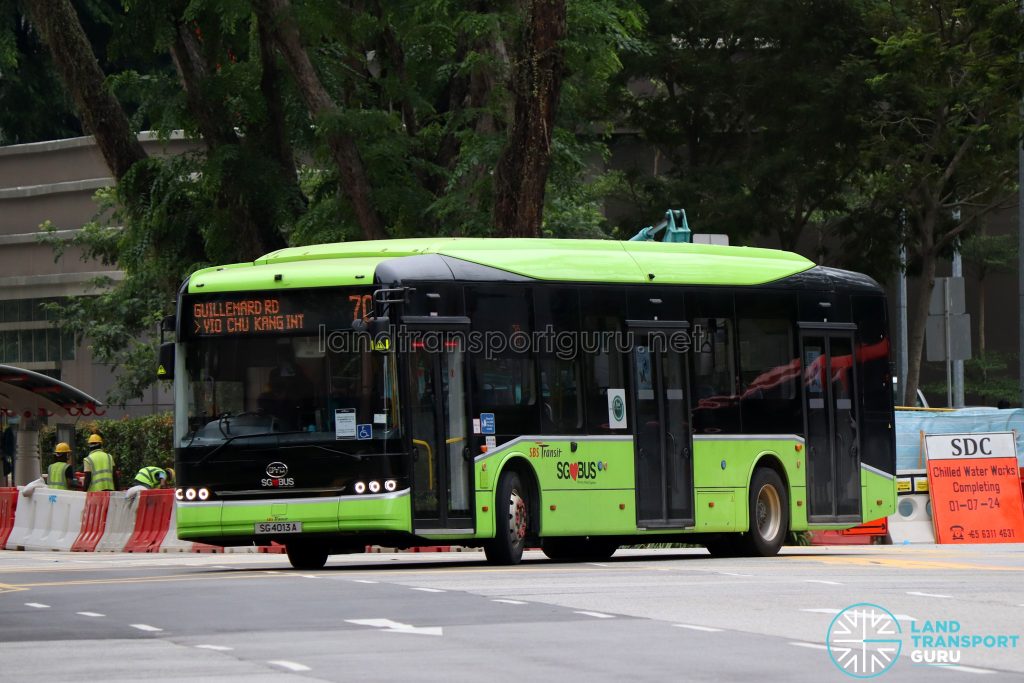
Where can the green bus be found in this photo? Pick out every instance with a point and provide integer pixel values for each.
(575, 395)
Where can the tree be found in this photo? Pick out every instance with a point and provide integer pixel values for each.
(947, 85)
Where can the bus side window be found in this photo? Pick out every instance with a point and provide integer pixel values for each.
(715, 405)
(560, 388)
(769, 375)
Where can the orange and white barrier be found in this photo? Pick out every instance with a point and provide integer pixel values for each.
(47, 520)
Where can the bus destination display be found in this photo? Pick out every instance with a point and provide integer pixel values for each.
(267, 313)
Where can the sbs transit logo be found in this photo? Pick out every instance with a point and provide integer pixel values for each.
(864, 640)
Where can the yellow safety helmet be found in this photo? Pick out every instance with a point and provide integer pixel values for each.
(170, 475)
(62, 449)
(95, 440)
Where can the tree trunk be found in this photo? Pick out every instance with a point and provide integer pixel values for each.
(354, 182)
(536, 81)
(98, 109)
(918, 318)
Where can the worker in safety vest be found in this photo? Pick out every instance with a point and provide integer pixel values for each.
(59, 475)
(153, 477)
(99, 467)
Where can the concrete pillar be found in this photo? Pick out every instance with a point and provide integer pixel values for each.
(27, 462)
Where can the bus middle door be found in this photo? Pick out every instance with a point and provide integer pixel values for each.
(661, 424)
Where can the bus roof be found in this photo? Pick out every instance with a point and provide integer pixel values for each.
(592, 261)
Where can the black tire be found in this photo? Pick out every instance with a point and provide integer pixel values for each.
(304, 556)
(511, 521)
(576, 549)
(768, 507)
(728, 545)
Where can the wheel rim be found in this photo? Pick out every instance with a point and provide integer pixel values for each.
(517, 517)
(768, 510)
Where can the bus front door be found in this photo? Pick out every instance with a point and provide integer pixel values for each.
(661, 426)
(830, 414)
(436, 403)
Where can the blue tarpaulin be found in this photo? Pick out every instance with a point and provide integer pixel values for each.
(910, 424)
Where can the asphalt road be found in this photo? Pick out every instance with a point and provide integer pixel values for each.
(643, 615)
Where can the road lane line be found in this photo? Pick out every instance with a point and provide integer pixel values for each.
(813, 646)
(427, 590)
(961, 667)
(827, 583)
(37, 605)
(508, 602)
(599, 615)
(928, 595)
(364, 581)
(829, 610)
(598, 564)
(693, 627)
(146, 627)
(215, 648)
(291, 666)
(91, 614)
(735, 574)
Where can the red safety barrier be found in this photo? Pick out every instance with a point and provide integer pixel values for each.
(879, 527)
(8, 506)
(94, 521)
(152, 521)
(274, 547)
(837, 538)
(206, 548)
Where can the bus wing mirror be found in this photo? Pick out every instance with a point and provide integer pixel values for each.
(165, 361)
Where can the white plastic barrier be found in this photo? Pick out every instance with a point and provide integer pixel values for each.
(48, 520)
(912, 522)
(120, 523)
(171, 542)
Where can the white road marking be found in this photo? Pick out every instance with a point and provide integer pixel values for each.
(427, 590)
(829, 610)
(397, 627)
(597, 564)
(928, 595)
(309, 576)
(146, 627)
(216, 648)
(91, 614)
(37, 605)
(735, 574)
(364, 581)
(827, 583)
(599, 615)
(291, 666)
(965, 669)
(693, 627)
(509, 602)
(813, 646)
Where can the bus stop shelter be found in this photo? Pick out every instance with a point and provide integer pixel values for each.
(34, 399)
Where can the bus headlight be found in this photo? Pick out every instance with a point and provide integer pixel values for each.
(190, 494)
(374, 486)
(179, 494)
(359, 487)
(204, 494)
(390, 485)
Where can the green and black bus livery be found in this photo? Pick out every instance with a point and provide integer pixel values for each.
(576, 395)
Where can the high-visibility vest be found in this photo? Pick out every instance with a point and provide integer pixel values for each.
(102, 478)
(56, 478)
(147, 476)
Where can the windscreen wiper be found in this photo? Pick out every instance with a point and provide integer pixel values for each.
(244, 436)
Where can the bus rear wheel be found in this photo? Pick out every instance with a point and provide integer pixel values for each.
(512, 521)
(769, 514)
(305, 556)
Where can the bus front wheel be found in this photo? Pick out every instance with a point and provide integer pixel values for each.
(512, 521)
(769, 514)
(304, 556)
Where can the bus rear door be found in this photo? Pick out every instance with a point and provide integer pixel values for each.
(830, 418)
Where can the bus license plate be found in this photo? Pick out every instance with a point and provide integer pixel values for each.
(278, 527)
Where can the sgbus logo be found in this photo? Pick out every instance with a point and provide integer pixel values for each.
(586, 470)
(864, 640)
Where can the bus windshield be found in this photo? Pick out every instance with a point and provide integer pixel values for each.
(290, 388)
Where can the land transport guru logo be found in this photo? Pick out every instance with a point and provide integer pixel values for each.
(865, 640)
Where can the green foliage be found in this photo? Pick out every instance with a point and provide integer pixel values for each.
(987, 380)
(133, 442)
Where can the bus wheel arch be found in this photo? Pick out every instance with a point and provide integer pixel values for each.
(516, 492)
